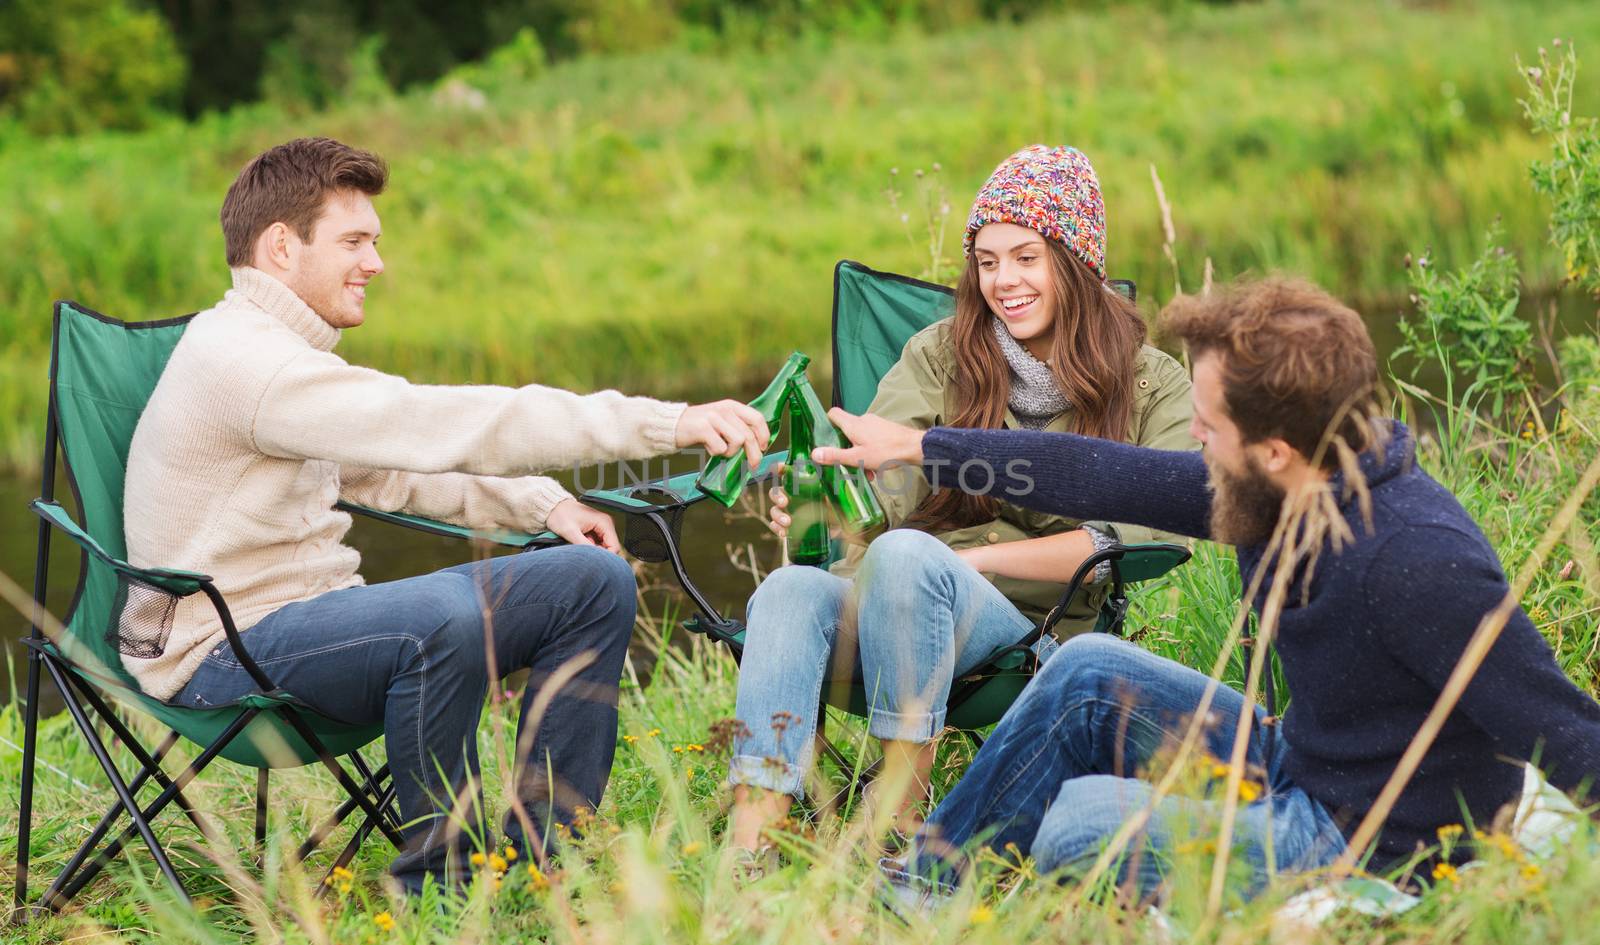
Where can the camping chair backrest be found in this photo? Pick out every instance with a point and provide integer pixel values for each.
(102, 374)
(874, 315)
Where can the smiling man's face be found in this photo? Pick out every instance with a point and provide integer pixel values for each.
(330, 273)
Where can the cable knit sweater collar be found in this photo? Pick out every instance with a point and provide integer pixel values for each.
(255, 289)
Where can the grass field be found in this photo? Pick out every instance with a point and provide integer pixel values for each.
(647, 869)
(667, 222)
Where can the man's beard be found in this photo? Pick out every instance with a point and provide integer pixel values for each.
(1245, 507)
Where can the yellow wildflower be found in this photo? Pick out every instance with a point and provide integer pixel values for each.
(689, 775)
(692, 847)
(478, 859)
(630, 739)
(694, 748)
(497, 863)
(1444, 871)
(677, 749)
(1506, 846)
(340, 872)
(1450, 832)
(1218, 771)
(511, 854)
(1530, 870)
(1249, 791)
(384, 921)
(653, 733)
(980, 915)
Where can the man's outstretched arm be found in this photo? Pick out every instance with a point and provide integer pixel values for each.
(1059, 473)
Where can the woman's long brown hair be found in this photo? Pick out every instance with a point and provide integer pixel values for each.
(1093, 353)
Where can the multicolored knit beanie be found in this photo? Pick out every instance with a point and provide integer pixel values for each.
(1052, 190)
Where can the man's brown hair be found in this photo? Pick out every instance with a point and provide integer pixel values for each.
(289, 184)
(1296, 362)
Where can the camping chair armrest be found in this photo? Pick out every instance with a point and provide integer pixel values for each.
(679, 491)
(172, 580)
(506, 537)
(1129, 563)
(652, 514)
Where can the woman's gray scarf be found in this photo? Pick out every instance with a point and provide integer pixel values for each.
(1036, 398)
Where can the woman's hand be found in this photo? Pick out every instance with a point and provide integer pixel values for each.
(777, 519)
(581, 525)
(876, 442)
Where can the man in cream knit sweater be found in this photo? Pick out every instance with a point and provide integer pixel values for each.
(257, 428)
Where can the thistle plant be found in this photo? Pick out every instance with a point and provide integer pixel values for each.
(1571, 178)
(932, 203)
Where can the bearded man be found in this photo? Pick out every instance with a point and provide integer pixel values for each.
(1387, 578)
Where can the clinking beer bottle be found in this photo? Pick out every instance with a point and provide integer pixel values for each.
(724, 478)
(807, 541)
(847, 488)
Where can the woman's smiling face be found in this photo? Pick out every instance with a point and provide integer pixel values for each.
(1015, 279)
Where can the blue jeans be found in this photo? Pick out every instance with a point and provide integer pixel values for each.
(1058, 776)
(915, 618)
(414, 655)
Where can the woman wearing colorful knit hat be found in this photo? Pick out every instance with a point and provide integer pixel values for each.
(1040, 341)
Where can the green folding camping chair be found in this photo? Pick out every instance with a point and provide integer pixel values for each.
(874, 314)
(102, 373)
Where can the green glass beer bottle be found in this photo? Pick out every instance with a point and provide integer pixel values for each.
(847, 488)
(807, 540)
(724, 477)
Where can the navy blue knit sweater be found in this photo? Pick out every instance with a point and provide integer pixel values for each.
(1367, 647)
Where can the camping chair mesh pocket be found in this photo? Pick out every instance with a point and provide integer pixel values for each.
(642, 538)
(141, 619)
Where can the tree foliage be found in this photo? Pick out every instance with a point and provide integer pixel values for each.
(75, 65)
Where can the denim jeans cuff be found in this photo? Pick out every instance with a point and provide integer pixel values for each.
(774, 774)
(905, 726)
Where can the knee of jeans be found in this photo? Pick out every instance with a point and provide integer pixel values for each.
(605, 575)
(1086, 662)
(899, 558)
(1085, 815)
(794, 589)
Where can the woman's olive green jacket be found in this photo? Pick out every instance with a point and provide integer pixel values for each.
(917, 392)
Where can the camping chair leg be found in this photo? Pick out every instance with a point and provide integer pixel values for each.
(349, 851)
(374, 783)
(63, 891)
(857, 785)
(98, 833)
(328, 826)
(261, 811)
(119, 786)
(30, 738)
(144, 758)
(343, 777)
(30, 725)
